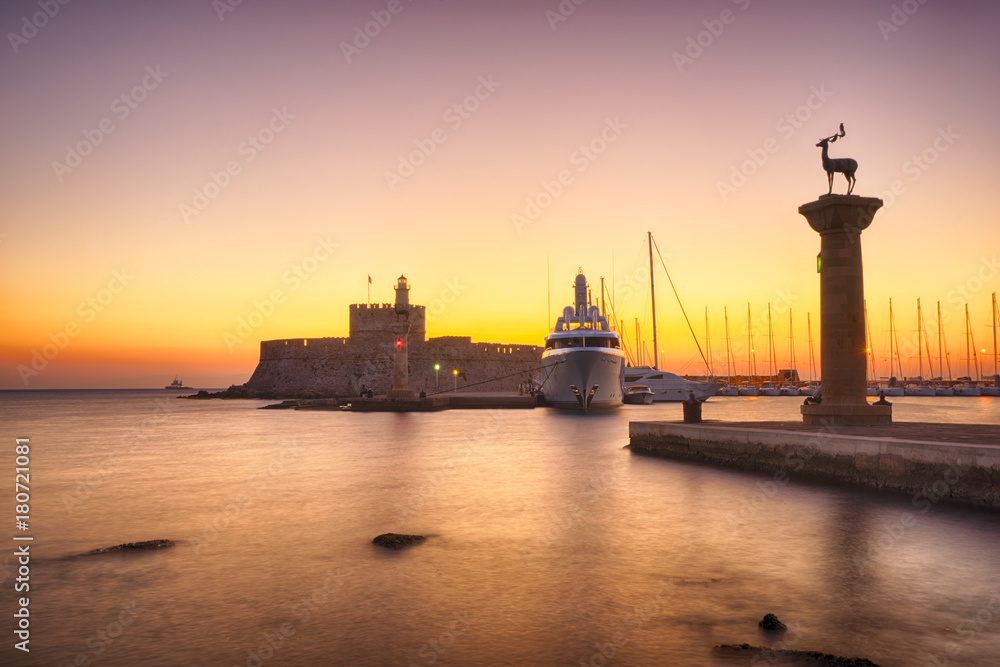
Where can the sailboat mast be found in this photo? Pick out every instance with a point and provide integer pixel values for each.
(791, 342)
(770, 344)
(995, 334)
(940, 354)
(812, 356)
(708, 344)
(652, 296)
(638, 344)
(603, 312)
(972, 343)
(871, 348)
(927, 341)
(729, 349)
(920, 341)
(750, 369)
(892, 339)
(968, 358)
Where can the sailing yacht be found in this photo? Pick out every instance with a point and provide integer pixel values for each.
(666, 386)
(995, 389)
(966, 386)
(811, 388)
(583, 364)
(941, 389)
(916, 386)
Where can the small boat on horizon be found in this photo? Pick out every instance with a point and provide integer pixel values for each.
(176, 384)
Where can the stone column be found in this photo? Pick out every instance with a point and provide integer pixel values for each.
(400, 362)
(840, 219)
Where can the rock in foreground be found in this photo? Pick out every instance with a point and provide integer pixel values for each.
(397, 541)
(815, 657)
(771, 622)
(133, 546)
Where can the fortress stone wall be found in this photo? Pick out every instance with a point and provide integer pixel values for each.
(347, 366)
(367, 320)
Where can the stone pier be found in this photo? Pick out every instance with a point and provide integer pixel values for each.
(840, 219)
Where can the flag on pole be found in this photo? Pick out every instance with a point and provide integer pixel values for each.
(369, 279)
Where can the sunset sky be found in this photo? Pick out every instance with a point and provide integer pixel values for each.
(171, 168)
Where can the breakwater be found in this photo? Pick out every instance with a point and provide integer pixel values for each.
(954, 462)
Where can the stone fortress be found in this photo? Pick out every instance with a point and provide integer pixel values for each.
(300, 367)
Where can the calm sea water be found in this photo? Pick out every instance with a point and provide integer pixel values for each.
(547, 542)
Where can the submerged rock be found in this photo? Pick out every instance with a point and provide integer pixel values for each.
(771, 622)
(397, 541)
(816, 657)
(133, 546)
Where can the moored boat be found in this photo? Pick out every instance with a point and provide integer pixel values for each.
(768, 389)
(583, 365)
(963, 389)
(918, 388)
(638, 395)
(669, 386)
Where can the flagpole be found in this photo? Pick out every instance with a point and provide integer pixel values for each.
(369, 290)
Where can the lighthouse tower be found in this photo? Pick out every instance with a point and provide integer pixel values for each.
(401, 331)
(402, 297)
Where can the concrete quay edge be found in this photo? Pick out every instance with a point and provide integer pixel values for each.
(964, 473)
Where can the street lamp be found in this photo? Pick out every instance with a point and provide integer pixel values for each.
(437, 375)
(454, 374)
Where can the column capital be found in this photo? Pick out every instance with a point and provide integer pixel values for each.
(840, 213)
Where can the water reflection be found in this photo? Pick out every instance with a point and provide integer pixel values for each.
(547, 544)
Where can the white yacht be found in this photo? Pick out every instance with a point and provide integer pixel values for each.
(638, 394)
(583, 365)
(918, 389)
(668, 386)
(962, 389)
(768, 389)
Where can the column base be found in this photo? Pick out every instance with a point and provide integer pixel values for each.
(394, 394)
(845, 415)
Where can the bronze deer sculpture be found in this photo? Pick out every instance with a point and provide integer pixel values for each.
(844, 165)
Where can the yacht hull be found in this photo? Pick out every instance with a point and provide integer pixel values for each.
(583, 379)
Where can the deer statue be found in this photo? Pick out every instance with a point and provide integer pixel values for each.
(844, 165)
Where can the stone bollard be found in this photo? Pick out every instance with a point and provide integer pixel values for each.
(692, 410)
